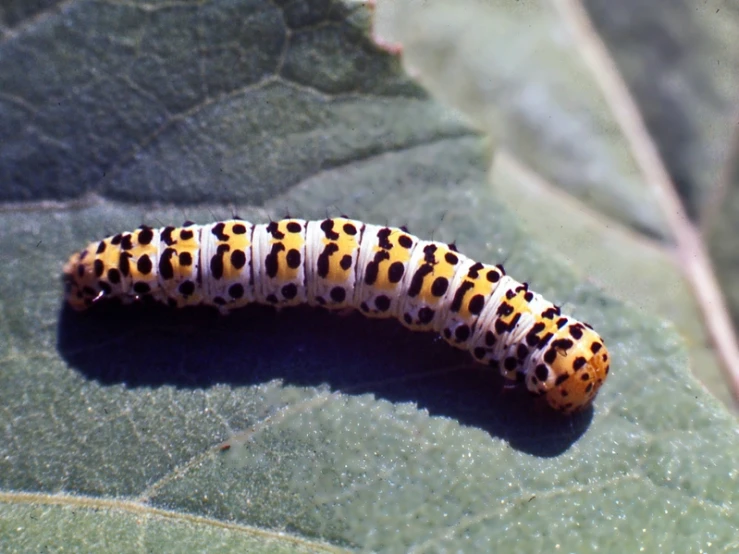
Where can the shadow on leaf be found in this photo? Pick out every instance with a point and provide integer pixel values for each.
(149, 346)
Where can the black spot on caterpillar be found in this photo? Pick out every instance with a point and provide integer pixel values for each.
(340, 263)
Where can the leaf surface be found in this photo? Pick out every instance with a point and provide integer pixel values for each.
(142, 428)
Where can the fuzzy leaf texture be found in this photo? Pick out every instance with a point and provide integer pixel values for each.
(137, 429)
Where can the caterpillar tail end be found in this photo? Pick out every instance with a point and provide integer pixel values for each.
(80, 284)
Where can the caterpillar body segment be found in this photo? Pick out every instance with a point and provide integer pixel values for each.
(384, 265)
(340, 263)
(228, 257)
(278, 262)
(333, 245)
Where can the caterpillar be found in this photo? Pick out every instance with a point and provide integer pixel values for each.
(339, 263)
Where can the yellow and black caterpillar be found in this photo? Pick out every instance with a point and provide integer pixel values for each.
(341, 263)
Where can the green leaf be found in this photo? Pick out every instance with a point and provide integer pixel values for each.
(582, 98)
(63, 523)
(144, 428)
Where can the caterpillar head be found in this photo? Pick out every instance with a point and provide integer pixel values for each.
(81, 288)
(571, 368)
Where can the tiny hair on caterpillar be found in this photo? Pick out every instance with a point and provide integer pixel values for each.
(340, 263)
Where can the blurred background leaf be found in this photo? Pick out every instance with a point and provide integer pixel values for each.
(545, 79)
(143, 428)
